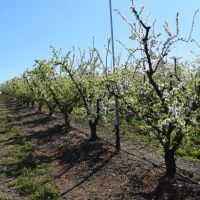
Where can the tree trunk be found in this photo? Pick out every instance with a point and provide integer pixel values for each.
(170, 161)
(93, 125)
(40, 106)
(27, 103)
(50, 112)
(93, 130)
(32, 104)
(67, 118)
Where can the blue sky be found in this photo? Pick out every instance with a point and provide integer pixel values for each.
(28, 28)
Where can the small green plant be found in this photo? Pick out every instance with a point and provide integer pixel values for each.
(45, 169)
(19, 153)
(26, 185)
(2, 173)
(8, 119)
(2, 197)
(24, 159)
(27, 147)
(94, 190)
(46, 193)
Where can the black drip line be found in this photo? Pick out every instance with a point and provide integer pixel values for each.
(154, 164)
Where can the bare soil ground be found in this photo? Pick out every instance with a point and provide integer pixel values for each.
(95, 170)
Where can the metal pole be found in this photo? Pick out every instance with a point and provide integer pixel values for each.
(116, 99)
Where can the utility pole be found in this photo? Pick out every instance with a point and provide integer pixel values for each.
(115, 121)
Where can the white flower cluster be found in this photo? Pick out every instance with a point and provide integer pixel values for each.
(103, 111)
(167, 121)
(165, 141)
(52, 88)
(167, 29)
(93, 114)
(176, 110)
(103, 105)
(140, 71)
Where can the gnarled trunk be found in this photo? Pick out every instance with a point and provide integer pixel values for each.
(32, 104)
(67, 118)
(93, 129)
(50, 112)
(93, 125)
(51, 109)
(40, 106)
(170, 161)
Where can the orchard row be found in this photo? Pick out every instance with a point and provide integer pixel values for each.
(164, 95)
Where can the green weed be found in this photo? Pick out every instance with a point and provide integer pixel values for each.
(18, 153)
(26, 185)
(46, 193)
(2, 197)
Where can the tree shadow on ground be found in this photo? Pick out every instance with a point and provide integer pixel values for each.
(69, 148)
(14, 104)
(94, 171)
(73, 151)
(167, 188)
(36, 122)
